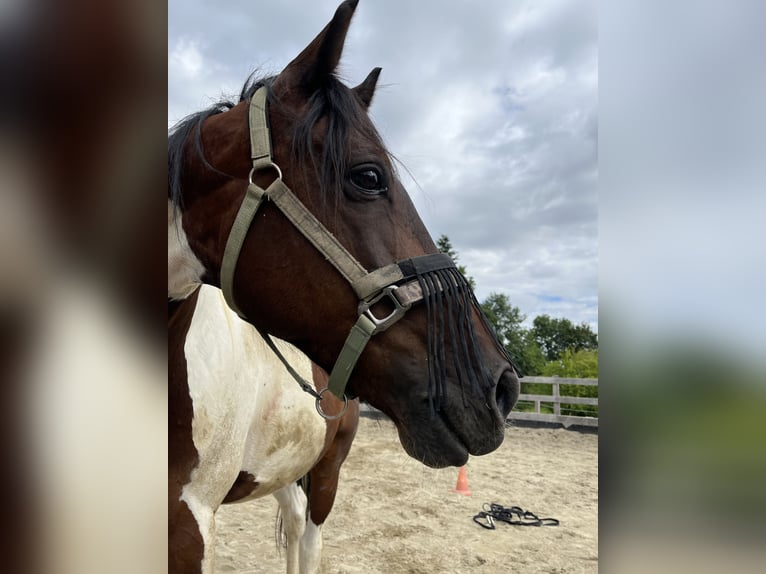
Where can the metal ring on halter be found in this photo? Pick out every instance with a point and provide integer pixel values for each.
(271, 164)
(325, 415)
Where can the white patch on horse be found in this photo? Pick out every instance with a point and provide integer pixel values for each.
(311, 548)
(249, 414)
(184, 269)
(292, 504)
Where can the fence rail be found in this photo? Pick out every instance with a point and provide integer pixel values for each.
(556, 399)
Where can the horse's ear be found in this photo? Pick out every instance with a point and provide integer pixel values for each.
(320, 58)
(366, 89)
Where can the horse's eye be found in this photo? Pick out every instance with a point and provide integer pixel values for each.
(368, 179)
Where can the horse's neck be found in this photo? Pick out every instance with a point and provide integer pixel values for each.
(184, 268)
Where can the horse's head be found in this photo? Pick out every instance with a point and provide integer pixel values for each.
(438, 371)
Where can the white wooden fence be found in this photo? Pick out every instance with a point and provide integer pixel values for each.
(556, 399)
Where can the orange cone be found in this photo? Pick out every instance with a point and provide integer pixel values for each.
(462, 483)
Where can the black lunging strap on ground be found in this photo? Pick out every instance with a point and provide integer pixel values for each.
(514, 515)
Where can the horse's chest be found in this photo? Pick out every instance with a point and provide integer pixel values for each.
(252, 424)
(285, 440)
(265, 443)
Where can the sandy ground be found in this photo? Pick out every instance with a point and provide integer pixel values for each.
(393, 515)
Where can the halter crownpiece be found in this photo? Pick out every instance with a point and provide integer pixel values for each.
(403, 283)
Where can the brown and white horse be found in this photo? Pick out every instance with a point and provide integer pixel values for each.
(252, 422)
(285, 200)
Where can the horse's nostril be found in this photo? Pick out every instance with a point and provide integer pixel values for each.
(506, 391)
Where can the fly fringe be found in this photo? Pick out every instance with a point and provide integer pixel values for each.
(449, 302)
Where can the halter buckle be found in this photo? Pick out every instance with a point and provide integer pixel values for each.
(384, 323)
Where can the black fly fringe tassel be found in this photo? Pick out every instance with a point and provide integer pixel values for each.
(449, 288)
(472, 357)
(449, 305)
(464, 316)
(429, 343)
(432, 297)
(439, 332)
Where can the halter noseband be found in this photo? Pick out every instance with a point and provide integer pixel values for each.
(398, 282)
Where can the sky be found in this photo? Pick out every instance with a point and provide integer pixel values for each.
(492, 107)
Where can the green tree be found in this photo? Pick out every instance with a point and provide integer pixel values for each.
(507, 321)
(556, 335)
(582, 364)
(445, 246)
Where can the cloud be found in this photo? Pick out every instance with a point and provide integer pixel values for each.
(185, 58)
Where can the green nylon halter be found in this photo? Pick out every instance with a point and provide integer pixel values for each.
(369, 287)
(398, 282)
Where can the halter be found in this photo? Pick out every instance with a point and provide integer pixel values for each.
(398, 282)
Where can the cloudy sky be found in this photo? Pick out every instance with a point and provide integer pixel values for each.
(492, 106)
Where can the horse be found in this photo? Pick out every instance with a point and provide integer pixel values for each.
(285, 200)
(267, 426)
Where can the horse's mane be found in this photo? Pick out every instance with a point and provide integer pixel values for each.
(179, 134)
(333, 100)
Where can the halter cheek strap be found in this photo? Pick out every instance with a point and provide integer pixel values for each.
(398, 282)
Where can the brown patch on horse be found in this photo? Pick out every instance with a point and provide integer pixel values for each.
(338, 438)
(330, 405)
(184, 538)
(243, 486)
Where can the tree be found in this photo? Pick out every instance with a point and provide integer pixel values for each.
(505, 318)
(554, 336)
(445, 246)
(507, 321)
(582, 364)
